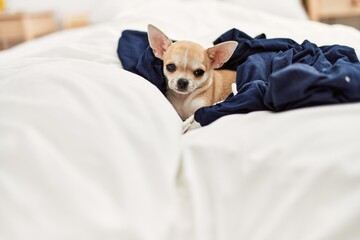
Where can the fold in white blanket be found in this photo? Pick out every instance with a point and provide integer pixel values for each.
(89, 151)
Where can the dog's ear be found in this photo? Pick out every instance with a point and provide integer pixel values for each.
(220, 53)
(158, 41)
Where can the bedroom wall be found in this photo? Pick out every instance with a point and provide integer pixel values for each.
(60, 8)
(97, 10)
(103, 10)
(100, 10)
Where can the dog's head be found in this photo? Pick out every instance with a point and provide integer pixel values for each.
(187, 65)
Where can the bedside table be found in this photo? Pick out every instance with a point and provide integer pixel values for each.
(75, 21)
(19, 27)
(334, 11)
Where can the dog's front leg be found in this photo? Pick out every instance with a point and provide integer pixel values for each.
(189, 124)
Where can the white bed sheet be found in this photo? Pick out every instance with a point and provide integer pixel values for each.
(290, 175)
(89, 151)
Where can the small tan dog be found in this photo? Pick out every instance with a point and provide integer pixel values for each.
(189, 69)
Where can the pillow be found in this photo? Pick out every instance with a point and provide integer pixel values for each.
(288, 8)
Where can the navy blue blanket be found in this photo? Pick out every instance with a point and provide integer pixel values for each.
(272, 74)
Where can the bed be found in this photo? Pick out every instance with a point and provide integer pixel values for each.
(89, 150)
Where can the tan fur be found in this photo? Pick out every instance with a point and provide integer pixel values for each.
(212, 87)
(215, 90)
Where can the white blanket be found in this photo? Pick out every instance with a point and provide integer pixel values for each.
(90, 151)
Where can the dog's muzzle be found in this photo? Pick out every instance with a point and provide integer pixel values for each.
(182, 84)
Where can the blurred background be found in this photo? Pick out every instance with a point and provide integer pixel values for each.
(334, 11)
(22, 20)
(329, 11)
(62, 10)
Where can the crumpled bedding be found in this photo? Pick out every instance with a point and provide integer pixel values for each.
(272, 74)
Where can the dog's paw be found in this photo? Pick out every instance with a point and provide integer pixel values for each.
(190, 124)
(234, 88)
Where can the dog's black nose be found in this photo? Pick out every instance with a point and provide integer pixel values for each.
(182, 84)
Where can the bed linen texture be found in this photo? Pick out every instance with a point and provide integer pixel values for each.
(91, 151)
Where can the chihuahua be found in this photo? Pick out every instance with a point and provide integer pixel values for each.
(192, 81)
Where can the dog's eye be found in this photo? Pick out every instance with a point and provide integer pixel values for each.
(171, 67)
(199, 72)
